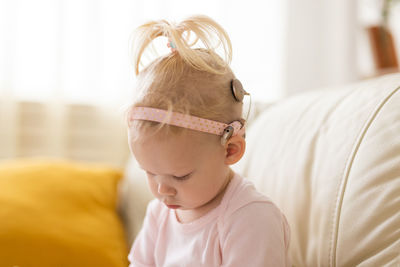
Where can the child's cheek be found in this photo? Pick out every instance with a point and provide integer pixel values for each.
(153, 186)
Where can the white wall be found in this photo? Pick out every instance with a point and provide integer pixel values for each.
(320, 44)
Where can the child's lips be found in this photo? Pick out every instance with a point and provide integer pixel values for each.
(173, 206)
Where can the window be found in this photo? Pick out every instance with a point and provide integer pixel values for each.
(78, 50)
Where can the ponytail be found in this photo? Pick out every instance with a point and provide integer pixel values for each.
(205, 30)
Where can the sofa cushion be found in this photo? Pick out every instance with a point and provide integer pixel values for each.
(330, 159)
(57, 213)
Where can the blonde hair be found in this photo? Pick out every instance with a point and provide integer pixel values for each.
(189, 80)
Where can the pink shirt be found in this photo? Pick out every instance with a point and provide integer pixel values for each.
(246, 229)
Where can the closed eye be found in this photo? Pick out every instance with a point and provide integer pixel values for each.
(182, 178)
(179, 178)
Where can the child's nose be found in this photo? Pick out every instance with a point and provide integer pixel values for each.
(166, 190)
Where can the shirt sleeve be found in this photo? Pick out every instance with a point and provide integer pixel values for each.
(142, 251)
(256, 235)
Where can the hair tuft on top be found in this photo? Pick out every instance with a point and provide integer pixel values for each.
(205, 30)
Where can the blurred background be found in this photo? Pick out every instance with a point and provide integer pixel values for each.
(66, 73)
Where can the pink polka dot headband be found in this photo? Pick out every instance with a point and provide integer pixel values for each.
(188, 122)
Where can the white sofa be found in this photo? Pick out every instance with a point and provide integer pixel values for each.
(330, 159)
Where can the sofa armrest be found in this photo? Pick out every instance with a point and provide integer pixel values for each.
(330, 160)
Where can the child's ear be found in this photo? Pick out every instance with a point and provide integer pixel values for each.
(234, 149)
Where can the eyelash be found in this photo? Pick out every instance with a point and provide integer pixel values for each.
(182, 178)
(179, 178)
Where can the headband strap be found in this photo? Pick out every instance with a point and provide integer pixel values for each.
(185, 121)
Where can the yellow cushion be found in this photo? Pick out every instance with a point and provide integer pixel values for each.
(58, 213)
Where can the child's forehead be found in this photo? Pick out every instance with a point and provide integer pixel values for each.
(179, 146)
(184, 136)
(172, 153)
